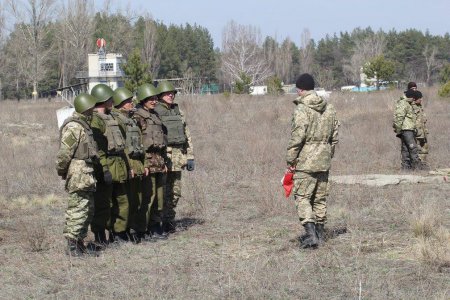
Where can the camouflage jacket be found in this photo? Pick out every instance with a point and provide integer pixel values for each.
(404, 116)
(177, 154)
(114, 161)
(79, 173)
(155, 157)
(421, 120)
(314, 134)
(136, 162)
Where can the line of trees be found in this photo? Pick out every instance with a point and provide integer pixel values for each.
(43, 43)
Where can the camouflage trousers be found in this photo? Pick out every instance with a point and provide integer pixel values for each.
(423, 149)
(409, 150)
(138, 203)
(310, 192)
(172, 193)
(102, 207)
(155, 209)
(79, 214)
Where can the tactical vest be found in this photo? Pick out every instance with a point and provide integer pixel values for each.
(116, 142)
(171, 118)
(87, 148)
(133, 145)
(154, 136)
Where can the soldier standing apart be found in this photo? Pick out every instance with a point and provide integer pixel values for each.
(422, 130)
(155, 144)
(111, 201)
(180, 152)
(75, 163)
(314, 135)
(134, 150)
(405, 129)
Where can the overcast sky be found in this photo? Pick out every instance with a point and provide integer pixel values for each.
(288, 18)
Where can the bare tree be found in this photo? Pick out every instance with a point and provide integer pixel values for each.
(364, 51)
(306, 52)
(432, 63)
(2, 40)
(32, 19)
(242, 54)
(74, 32)
(149, 52)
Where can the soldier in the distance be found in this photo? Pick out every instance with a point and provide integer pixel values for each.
(75, 163)
(421, 128)
(155, 145)
(180, 151)
(134, 150)
(314, 133)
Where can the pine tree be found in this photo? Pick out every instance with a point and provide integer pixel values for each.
(136, 71)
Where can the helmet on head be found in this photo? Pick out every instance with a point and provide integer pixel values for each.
(120, 95)
(145, 91)
(102, 92)
(165, 86)
(84, 102)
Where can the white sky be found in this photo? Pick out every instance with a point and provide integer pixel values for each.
(289, 18)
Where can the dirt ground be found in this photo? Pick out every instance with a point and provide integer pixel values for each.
(238, 235)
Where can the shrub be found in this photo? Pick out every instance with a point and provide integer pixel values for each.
(444, 91)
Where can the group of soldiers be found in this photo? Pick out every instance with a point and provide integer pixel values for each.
(122, 164)
(410, 126)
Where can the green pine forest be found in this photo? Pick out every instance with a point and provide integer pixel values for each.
(47, 52)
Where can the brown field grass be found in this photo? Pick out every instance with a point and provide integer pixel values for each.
(241, 237)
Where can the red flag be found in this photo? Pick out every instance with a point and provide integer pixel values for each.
(288, 183)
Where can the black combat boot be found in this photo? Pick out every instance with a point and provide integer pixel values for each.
(100, 237)
(135, 238)
(146, 237)
(311, 241)
(158, 232)
(168, 227)
(73, 248)
(320, 231)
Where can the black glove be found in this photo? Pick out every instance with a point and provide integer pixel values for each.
(107, 177)
(190, 165)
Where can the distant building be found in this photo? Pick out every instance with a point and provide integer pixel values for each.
(103, 68)
(258, 90)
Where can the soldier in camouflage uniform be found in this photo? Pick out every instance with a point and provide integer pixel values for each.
(405, 128)
(180, 152)
(75, 163)
(111, 200)
(421, 128)
(155, 144)
(313, 138)
(122, 112)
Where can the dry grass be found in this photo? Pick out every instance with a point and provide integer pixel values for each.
(241, 237)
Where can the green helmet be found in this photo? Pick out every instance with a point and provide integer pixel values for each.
(120, 95)
(84, 102)
(102, 92)
(165, 86)
(145, 91)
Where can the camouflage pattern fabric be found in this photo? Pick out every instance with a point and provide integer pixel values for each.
(314, 134)
(422, 144)
(79, 214)
(155, 209)
(79, 174)
(421, 121)
(404, 116)
(172, 194)
(310, 192)
(421, 132)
